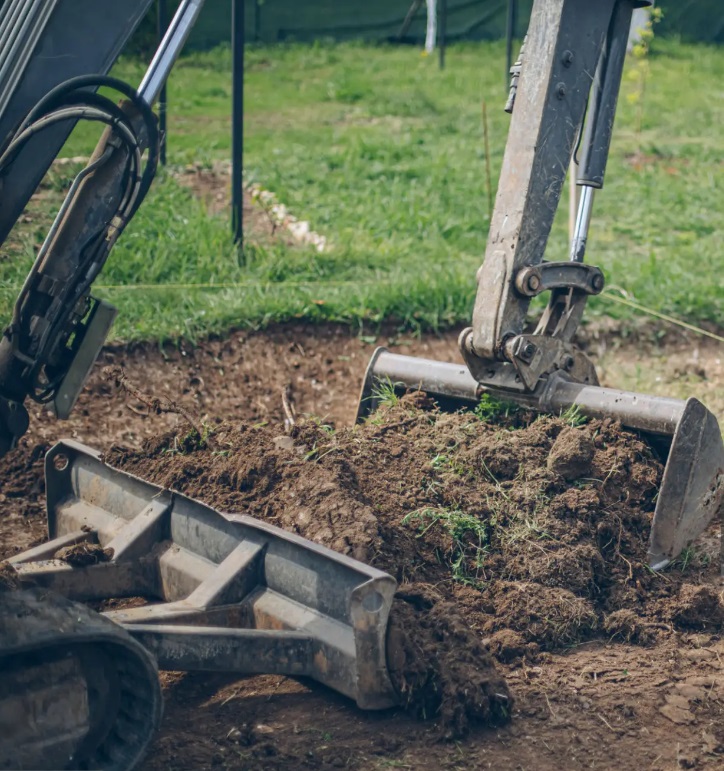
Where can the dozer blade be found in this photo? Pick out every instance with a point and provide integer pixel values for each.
(227, 592)
(692, 487)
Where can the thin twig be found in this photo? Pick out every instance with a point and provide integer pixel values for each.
(155, 404)
(550, 709)
(288, 406)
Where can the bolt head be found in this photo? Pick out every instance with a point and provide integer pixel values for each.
(529, 349)
(533, 282)
(598, 282)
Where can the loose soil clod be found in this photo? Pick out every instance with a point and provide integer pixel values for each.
(439, 665)
(80, 555)
(8, 577)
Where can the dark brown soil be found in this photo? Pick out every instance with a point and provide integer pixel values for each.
(501, 520)
(439, 665)
(80, 555)
(607, 665)
(8, 577)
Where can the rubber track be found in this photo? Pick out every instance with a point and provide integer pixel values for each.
(37, 623)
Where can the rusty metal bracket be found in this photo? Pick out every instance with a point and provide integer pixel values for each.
(534, 280)
(227, 592)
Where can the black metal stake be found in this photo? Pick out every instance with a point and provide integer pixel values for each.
(443, 32)
(237, 119)
(161, 25)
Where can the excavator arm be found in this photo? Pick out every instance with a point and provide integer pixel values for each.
(55, 57)
(563, 98)
(563, 103)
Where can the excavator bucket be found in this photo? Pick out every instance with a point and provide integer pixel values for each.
(225, 592)
(686, 433)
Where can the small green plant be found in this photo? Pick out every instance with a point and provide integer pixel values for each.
(191, 441)
(444, 462)
(489, 408)
(573, 416)
(639, 72)
(319, 422)
(469, 536)
(384, 394)
(690, 558)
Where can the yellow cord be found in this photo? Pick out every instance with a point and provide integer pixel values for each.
(606, 295)
(236, 285)
(663, 316)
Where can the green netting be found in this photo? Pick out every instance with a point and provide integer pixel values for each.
(305, 20)
(278, 20)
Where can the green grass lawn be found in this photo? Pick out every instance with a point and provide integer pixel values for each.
(384, 155)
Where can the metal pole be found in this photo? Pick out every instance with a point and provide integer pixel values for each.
(443, 32)
(167, 53)
(237, 119)
(161, 24)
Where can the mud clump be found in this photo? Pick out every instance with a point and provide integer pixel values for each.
(571, 454)
(625, 626)
(507, 646)
(83, 554)
(440, 667)
(697, 607)
(551, 617)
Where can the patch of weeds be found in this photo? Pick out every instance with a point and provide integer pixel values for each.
(573, 416)
(469, 536)
(691, 558)
(490, 408)
(385, 394)
(191, 441)
(317, 453)
(319, 423)
(526, 526)
(443, 462)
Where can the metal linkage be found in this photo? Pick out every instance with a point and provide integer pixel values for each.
(564, 86)
(227, 592)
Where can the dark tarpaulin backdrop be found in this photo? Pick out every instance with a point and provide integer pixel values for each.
(279, 20)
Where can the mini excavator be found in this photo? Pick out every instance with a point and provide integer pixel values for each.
(79, 688)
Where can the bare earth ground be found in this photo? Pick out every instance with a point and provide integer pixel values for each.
(597, 703)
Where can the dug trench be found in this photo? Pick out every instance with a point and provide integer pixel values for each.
(528, 630)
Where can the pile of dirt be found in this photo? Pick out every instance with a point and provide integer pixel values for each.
(533, 529)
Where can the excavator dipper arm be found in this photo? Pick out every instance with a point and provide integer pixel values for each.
(56, 59)
(569, 72)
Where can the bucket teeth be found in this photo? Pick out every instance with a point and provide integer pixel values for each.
(692, 488)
